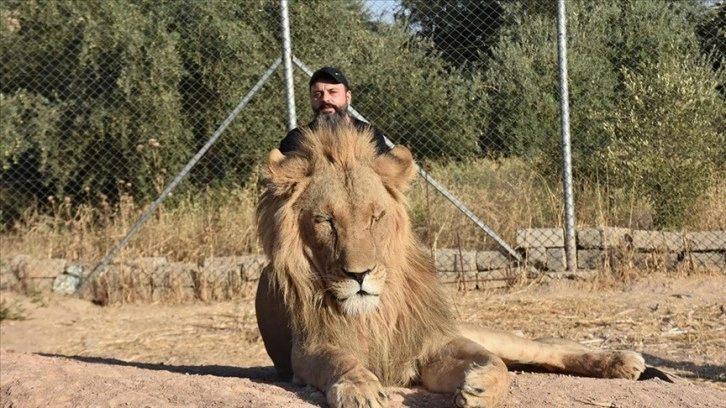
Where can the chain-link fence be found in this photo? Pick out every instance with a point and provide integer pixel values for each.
(114, 107)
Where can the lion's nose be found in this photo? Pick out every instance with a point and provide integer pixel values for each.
(358, 276)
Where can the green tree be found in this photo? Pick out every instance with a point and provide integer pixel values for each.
(463, 31)
(87, 69)
(668, 138)
(712, 36)
(524, 83)
(619, 55)
(103, 98)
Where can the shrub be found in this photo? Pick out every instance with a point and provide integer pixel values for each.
(641, 95)
(668, 138)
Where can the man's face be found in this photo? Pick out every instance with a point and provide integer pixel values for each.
(327, 98)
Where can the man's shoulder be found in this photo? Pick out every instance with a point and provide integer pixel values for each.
(378, 137)
(296, 132)
(291, 141)
(363, 125)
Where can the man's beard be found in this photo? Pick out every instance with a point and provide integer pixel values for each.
(334, 119)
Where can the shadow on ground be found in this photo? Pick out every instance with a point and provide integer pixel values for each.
(263, 375)
(688, 369)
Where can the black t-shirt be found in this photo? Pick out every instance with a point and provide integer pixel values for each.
(292, 140)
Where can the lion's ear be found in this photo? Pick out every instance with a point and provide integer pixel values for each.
(285, 171)
(396, 167)
(275, 158)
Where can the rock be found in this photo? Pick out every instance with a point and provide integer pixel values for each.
(66, 284)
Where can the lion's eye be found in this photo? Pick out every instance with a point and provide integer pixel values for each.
(323, 219)
(378, 216)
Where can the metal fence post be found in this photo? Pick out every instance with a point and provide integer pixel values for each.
(287, 62)
(570, 244)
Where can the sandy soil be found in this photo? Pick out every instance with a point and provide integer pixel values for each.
(70, 353)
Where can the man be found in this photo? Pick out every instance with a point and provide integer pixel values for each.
(330, 97)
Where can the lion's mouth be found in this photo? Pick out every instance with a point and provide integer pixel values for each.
(360, 293)
(360, 303)
(358, 298)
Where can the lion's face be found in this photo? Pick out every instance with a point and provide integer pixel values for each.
(347, 223)
(348, 213)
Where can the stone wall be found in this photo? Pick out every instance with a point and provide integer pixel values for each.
(598, 248)
(215, 278)
(142, 279)
(220, 278)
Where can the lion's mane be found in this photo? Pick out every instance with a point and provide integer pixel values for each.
(413, 319)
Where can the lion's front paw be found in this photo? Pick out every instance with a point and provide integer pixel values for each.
(625, 364)
(483, 387)
(359, 389)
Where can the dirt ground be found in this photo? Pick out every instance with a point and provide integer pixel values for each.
(67, 352)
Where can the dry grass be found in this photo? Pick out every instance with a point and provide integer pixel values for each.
(507, 195)
(214, 223)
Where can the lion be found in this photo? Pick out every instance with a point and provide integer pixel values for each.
(350, 303)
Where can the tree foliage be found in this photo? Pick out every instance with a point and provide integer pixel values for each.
(463, 31)
(77, 79)
(712, 36)
(636, 64)
(103, 98)
(668, 137)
